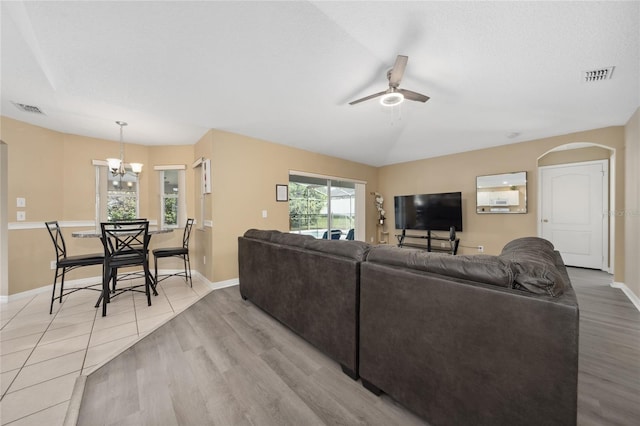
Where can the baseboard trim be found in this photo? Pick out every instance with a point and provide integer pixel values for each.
(223, 284)
(630, 294)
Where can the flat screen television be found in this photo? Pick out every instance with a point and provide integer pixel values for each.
(429, 212)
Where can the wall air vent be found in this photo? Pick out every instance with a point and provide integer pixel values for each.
(599, 74)
(28, 108)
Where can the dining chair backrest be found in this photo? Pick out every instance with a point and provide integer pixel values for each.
(187, 233)
(58, 240)
(125, 242)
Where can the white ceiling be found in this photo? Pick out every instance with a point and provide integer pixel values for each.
(285, 71)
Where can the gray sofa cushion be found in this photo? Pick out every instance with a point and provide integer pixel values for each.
(356, 250)
(288, 239)
(481, 268)
(259, 234)
(531, 243)
(533, 261)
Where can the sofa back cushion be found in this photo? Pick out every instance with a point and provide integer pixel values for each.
(482, 268)
(288, 239)
(534, 264)
(260, 234)
(356, 250)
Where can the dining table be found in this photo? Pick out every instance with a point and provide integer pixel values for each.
(97, 233)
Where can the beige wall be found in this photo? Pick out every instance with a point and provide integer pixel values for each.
(54, 172)
(202, 235)
(458, 173)
(245, 172)
(632, 203)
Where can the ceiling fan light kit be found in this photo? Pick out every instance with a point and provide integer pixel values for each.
(391, 99)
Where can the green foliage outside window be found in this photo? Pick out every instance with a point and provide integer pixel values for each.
(305, 204)
(121, 208)
(170, 211)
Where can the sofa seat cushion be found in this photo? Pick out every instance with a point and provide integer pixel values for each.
(534, 264)
(481, 268)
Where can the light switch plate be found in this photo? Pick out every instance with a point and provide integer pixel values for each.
(21, 202)
(20, 216)
(264, 214)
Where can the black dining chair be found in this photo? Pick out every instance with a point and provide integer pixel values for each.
(126, 244)
(335, 234)
(65, 263)
(182, 252)
(131, 274)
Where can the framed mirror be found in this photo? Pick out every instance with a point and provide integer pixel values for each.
(503, 193)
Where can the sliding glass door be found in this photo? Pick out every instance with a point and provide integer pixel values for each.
(324, 208)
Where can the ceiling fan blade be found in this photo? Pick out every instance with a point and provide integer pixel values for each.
(398, 70)
(413, 96)
(366, 98)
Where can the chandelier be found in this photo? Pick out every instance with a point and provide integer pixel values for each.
(116, 165)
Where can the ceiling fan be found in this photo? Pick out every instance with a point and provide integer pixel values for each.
(394, 95)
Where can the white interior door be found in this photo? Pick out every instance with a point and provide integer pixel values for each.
(573, 205)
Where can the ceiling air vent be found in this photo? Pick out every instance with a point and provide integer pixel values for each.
(28, 108)
(599, 74)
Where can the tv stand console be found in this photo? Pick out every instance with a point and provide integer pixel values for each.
(430, 242)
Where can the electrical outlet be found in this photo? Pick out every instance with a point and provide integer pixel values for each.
(53, 264)
(20, 216)
(481, 249)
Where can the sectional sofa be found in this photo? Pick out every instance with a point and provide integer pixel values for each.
(459, 340)
(312, 286)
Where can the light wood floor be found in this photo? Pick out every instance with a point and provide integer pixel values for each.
(225, 362)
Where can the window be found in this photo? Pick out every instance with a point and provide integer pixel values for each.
(122, 197)
(320, 204)
(172, 196)
(116, 196)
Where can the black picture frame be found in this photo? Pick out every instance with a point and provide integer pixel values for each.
(282, 193)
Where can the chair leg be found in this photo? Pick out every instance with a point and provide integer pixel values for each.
(186, 273)
(155, 264)
(115, 280)
(53, 295)
(105, 291)
(188, 270)
(64, 270)
(147, 281)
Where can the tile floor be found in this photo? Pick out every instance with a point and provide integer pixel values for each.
(42, 354)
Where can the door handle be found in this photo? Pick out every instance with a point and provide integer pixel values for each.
(545, 220)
